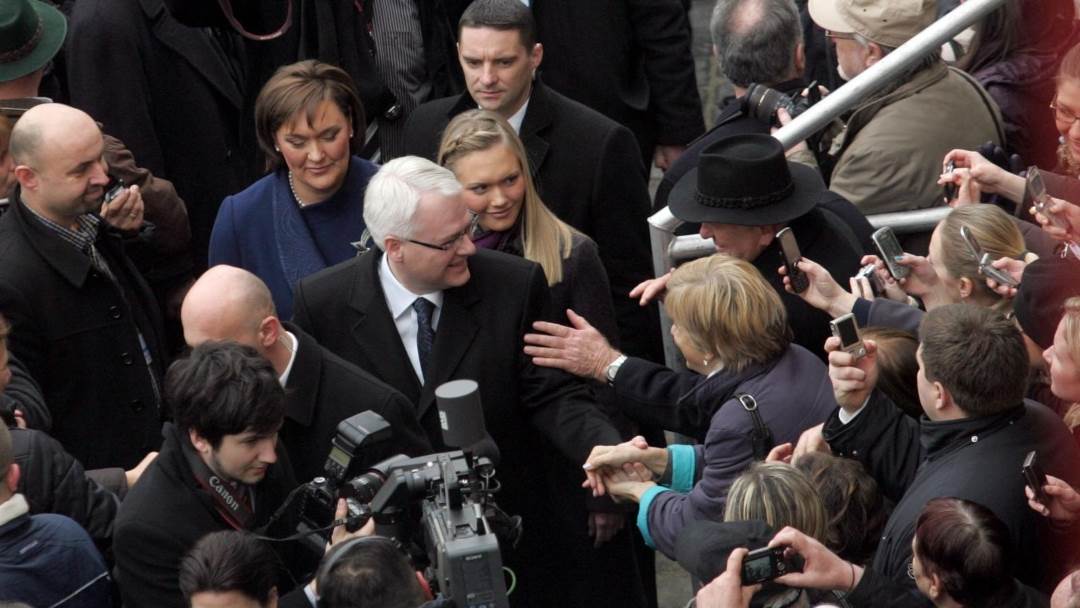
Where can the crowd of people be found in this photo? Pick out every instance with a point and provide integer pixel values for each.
(243, 244)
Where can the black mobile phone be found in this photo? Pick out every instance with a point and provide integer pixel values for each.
(1036, 193)
(846, 328)
(1034, 476)
(950, 188)
(889, 248)
(984, 260)
(765, 564)
(792, 255)
(113, 188)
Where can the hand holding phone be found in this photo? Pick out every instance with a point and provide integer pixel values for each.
(949, 188)
(1040, 199)
(889, 247)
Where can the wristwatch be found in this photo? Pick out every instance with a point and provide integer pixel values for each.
(613, 368)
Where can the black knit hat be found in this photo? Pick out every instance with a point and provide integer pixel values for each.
(1039, 300)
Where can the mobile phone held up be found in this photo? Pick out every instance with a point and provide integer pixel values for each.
(799, 281)
(113, 188)
(846, 328)
(1036, 193)
(889, 248)
(984, 261)
(765, 564)
(1034, 476)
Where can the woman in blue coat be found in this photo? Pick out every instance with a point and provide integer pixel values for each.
(307, 213)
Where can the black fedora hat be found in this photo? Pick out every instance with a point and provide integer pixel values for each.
(31, 32)
(745, 180)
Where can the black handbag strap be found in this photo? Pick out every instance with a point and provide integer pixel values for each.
(761, 438)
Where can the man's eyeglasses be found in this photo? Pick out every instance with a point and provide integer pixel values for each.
(470, 230)
(1063, 114)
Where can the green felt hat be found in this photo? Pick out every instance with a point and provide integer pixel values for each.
(31, 32)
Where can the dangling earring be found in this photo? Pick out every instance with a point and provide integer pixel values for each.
(705, 363)
(277, 149)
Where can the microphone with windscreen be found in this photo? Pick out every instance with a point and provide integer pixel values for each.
(461, 418)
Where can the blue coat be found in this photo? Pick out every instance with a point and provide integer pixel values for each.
(793, 394)
(264, 230)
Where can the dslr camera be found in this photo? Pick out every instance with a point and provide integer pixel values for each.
(763, 102)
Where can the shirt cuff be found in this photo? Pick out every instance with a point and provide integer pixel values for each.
(845, 417)
(683, 461)
(643, 512)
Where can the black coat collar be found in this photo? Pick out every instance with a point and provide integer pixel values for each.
(191, 44)
(538, 119)
(941, 437)
(301, 389)
(71, 263)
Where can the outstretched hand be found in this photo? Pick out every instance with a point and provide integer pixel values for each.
(617, 456)
(579, 349)
(651, 289)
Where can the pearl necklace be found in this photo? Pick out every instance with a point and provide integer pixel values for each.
(295, 195)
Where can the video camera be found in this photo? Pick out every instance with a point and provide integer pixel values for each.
(441, 502)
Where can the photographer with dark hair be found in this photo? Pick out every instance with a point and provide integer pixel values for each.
(220, 468)
(970, 443)
(230, 568)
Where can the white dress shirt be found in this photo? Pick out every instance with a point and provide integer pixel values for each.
(518, 117)
(400, 300)
(293, 345)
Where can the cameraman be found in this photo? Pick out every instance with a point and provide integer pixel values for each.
(371, 571)
(218, 469)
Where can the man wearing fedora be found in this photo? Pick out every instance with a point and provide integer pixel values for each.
(154, 220)
(743, 192)
(890, 158)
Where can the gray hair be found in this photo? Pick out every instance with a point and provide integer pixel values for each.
(394, 193)
(756, 39)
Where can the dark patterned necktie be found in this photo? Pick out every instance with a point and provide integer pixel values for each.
(425, 333)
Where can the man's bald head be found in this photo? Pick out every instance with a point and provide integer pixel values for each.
(44, 127)
(229, 303)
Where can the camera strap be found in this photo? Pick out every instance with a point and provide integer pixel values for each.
(232, 500)
(761, 438)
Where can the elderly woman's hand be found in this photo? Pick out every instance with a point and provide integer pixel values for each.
(987, 176)
(824, 293)
(580, 350)
(626, 483)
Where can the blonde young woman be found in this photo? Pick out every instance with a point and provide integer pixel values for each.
(948, 275)
(489, 160)
(1063, 359)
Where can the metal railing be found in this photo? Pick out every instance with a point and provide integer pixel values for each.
(668, 250)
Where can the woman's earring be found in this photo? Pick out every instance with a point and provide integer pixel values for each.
(277, 149)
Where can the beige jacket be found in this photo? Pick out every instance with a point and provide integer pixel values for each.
(894, 145)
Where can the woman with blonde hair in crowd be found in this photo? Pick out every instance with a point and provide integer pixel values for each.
(489, 160)
(1063, 359)
(748, 388)
(950, 274)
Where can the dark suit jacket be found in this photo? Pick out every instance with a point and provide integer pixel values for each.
(324, 389)
(480, 337)
(164, 90)
(637, 69)
(589, 173)
(78, 335)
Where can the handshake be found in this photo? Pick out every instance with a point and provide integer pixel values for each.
(625, 471)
